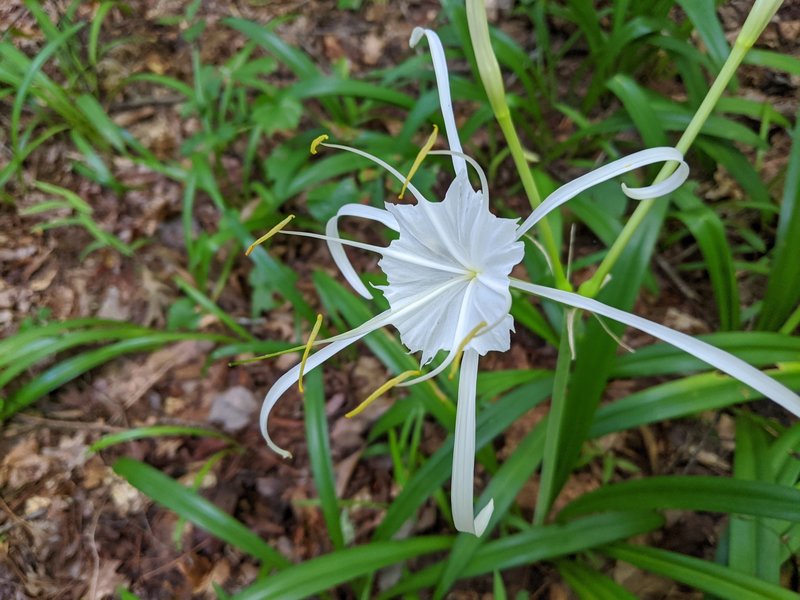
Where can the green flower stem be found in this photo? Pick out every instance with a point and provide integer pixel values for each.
(545, 232)
(756, 21)
(495, 90)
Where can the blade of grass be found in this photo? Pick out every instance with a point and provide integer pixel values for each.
(560, 418)
(754, 544)
(590, 584)
(325, 572)
(709, 233)
(537, 544)
(503, 488)
(681, 398)
(31, 73)
(153, 431)
(713, 494)
(700, 574)
(67, 370)
(188, 504)
(211, 307)
(319, 454)
(703, 15)
(758, 349)
(783, 292)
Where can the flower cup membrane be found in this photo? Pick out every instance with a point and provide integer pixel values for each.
(449, 285)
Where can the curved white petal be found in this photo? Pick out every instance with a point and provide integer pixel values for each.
(735, 367)
(336, 344)
(662, 188)
(289, 378)
(443, 85)
(460, 331)
(337, 250)
(636, 160)
(461, 491)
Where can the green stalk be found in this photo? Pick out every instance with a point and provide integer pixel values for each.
(493, 84)
(757, 20)
(557, 420)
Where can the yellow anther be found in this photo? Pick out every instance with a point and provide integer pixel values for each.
(381, 391)
(269, 234)
(460, 350)
(307, 351)
(418, 161)
(316, 142)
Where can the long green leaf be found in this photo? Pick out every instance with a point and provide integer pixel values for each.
(65, 371)
(754, 545)
(31, 73)
(317, 575)
(428, 478)
(681, 398)
(783, 286)
(706, 576)
(319, 454)
(560, 419)
(193, 507)
(714, 494)
(539, 543)
(642, 115)
(758, 349)
(590, 584)
(596, 349)
(152, 431)
(709, 232)
(704, 18)
(503, 489)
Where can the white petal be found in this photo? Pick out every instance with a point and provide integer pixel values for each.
(461, 491)
(662, 188)
(639, 159)
(735, 367)
(337, 250)
(336, 344)
(430, 328)
(443, 85)
(289, 378)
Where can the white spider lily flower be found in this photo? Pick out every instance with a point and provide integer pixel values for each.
(449, 286)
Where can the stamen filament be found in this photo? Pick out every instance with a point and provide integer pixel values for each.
(381, 391)
(316, 142)
(269, 234)
(383, 250)
(307, 351)
(245, 361)
(460, 350)
(418, 160)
